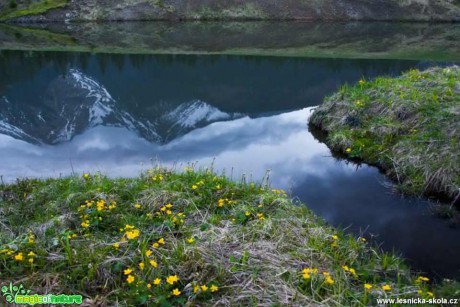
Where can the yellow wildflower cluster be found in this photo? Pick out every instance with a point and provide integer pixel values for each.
(307, 272)
(327, 278)
(7, 251)
(137, 206)
(350, 270)
(130, 231)
(197, 185)
(260, 216)
(166, 209)
(368, 286)
(204, 288)
(86, 176)
(31, 256)
(158, 178)
(157, 243)
(222, 201)
(178, 218)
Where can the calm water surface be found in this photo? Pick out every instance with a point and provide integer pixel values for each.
(118, 114)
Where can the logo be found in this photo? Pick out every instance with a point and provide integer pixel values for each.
(20, 295)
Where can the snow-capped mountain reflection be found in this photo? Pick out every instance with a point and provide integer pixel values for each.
(74, 102)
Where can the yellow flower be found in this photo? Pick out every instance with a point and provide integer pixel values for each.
(137, 206)
(86, 176)
(204, 288)
(85, 224)
(346, 268)
(148, 253)
(329, 280)
(168, 212)
(161, 241)
(157, 281)
(386, 287)
(31, 260)
(367, 286)
(163, 208)
(194, 187)
(176, 292)
(169, 206)
(153, 263)
(141, 265)
(362, 81)
(430, 293)
(422, 278)
(348, 150)
(214, 288)
(127, 271)
(247, 213)
(130, 279)
(116, 245)
(31, 254)
(172, 279)
(196, 289)
(306, 275)
(132, 234)
(19, 257)
(190, 240)
(149, 286)
(155, 245)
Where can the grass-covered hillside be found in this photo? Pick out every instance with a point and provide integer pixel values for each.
(407, 125)
(395, 10)
(193, 238)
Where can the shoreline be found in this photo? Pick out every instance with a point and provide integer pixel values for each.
(380, 121)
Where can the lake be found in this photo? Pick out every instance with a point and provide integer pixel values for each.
(72, 112)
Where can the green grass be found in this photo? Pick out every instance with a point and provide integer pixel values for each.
(33, 8)
(407, 125)
(119, 241)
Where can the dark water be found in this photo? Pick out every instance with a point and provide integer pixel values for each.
(75, 112)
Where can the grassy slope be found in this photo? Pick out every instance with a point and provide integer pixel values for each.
(34, 8)
(110, 239)
(407, 125)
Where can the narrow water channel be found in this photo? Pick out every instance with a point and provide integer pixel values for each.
(64, 113)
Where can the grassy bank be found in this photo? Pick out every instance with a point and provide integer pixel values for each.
(15, 10)
(192, 237)
(407, 125)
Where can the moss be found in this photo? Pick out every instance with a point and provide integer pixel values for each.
(35, 8)
(135, 241)
(406, 125)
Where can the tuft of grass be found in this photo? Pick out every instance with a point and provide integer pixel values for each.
(406, 125)
(192, 237)
(33, 8)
